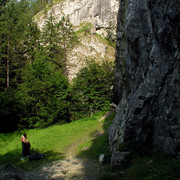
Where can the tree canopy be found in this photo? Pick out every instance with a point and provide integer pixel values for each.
(34, 87)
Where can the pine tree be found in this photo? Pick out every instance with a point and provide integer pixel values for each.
(38, 5)
(51, 42)
(31, 42)
(13, 21)
(2, 4)
(58, 40)
(68, 39)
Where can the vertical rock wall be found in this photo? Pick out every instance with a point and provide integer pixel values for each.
(98, 16)
(98, 12)
(147, 75)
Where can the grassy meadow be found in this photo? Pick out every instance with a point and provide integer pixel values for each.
(87, 138)
(56, 141)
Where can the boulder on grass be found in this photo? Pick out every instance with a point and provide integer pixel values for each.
(118, 159)
(10, 172)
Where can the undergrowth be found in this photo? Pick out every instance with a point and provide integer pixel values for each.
(144, 164)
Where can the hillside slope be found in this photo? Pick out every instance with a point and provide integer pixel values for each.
(98, 20)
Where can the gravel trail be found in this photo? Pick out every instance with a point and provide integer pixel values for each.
(69, 168)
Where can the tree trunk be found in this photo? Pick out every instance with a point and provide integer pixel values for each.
(7, 66)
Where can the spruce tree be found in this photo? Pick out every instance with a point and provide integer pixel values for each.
(68, 39)
(58, 40)
(14, 19)
(51, 43)
(31, 42)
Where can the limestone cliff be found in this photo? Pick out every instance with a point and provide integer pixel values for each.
(98, 12)
(91, 46)
(147, 75)
(101, 14)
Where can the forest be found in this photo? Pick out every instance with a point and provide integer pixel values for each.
(34, 88)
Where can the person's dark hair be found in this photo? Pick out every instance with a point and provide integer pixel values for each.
(25, 135)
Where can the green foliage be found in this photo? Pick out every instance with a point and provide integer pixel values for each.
(68, 39)
(9, 111)
(31, 67)
(38, 5)
(14, 19)
(91, 90)
(3, 2)
(50, 40)
(31, 42)
(86, 28)
(43, 95)
(58, 39)
(52, 141)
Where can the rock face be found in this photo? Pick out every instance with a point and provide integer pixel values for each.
(118, 159)
(91, 47)
(9, 172)
(147, 75)
(101, 14)
(98, 12)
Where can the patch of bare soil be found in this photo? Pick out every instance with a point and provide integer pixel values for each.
(107, 115)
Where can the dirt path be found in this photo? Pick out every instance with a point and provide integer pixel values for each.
(70, 168)
(67, 169)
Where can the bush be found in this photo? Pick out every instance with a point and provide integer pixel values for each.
(91, 90)
(43, 95)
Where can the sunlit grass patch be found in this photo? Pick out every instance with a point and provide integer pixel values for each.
(52, 141)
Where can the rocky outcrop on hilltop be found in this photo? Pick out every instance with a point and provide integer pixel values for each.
(91, 47)
(147, 75)
(102, 17)
(100, 13)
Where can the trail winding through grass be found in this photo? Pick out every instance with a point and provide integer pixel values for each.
(72, 167)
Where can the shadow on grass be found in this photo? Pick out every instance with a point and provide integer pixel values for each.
(99, 145)
(47, 167)
(11, 157)
(99, 142)
(14, 157)
(141, 165)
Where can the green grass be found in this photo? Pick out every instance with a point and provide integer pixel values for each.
(87, 138)
(97, 142)
(53, 141)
